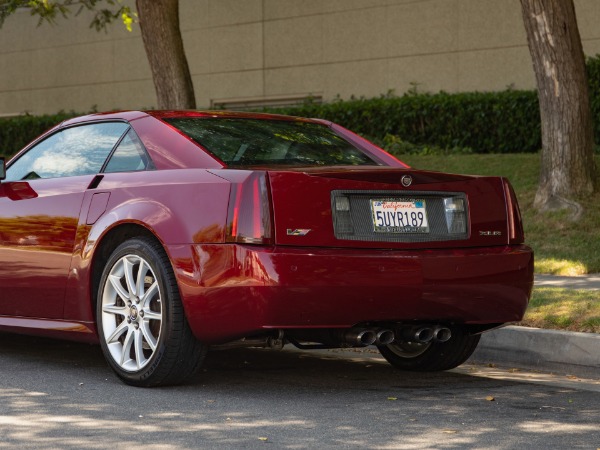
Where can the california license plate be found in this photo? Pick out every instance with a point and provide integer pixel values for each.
(399, 216)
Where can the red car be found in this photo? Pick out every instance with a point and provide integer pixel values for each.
(161, 233)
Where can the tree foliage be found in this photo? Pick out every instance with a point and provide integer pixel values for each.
(159, 24)
(50, 10)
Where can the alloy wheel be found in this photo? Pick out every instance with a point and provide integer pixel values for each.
(406, 349)
(132, 312)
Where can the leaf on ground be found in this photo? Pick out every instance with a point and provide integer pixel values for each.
(264, 439)
(392, 398)
(489, 398)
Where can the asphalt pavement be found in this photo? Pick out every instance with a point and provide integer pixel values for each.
(61, 395)
(56, 394)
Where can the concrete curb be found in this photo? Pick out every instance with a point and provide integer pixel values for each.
(562, 352)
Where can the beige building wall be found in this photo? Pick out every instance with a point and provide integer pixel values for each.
(265, 49)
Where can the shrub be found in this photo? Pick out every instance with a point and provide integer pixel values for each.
(399, 147)
(593, 72)
(17, 132)
(486, 122)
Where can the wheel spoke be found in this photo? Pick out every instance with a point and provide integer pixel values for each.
(141, 276)
(116, 310)
(149, 294)
(116, 334)
(127, 347)
(115, 281)
(152, 315)
(128, 269)
(140, 359)
(148, 335)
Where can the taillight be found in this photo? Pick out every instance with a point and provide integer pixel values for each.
(456, 215)
(249, 213)
(516, 235)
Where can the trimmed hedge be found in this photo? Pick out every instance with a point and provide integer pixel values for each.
(481, 122)
(593, 73)
(486, 122)
(17, 132)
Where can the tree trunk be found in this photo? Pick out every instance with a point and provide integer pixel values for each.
(159, 23)
(567, 164)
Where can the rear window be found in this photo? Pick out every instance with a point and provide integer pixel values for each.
(253, 142)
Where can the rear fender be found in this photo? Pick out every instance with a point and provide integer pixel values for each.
(177, 222)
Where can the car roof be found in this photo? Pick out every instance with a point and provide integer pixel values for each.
(169, 114)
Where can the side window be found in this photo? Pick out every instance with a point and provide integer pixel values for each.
(130, 155)
(80, 150)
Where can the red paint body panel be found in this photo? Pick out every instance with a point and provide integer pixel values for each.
(76, 331)
(303, 200)
(232, 291)
(177, 206)
(51, 231)
(37, 237)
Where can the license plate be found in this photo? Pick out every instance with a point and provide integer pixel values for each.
(399, 216)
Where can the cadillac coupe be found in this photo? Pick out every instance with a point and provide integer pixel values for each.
(162, 234)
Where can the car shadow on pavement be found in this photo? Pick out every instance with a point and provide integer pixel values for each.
(56, 394)
(223, 367)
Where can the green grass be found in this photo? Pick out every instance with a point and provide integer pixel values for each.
(564, 309)
(562, 247)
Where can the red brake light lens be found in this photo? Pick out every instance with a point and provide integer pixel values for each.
(249, 215)
(516, 235)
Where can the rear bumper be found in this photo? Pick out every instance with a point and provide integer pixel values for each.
(230, 291)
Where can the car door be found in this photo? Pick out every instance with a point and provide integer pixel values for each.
(40, 203)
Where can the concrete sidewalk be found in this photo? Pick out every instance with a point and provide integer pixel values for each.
(591, 281)
(563, 352)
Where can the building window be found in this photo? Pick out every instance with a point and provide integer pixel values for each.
(246, 104)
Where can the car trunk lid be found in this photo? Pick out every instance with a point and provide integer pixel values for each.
(382, 207)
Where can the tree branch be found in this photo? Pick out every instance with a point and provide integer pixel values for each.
(48, 11)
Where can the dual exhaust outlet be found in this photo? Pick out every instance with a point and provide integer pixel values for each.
(383, 336)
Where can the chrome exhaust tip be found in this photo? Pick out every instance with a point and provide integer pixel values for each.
(417, 334)
(442, 334)
(360, 337)
(384, 337)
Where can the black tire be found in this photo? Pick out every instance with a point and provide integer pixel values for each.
(432, 356)
(142, 327)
